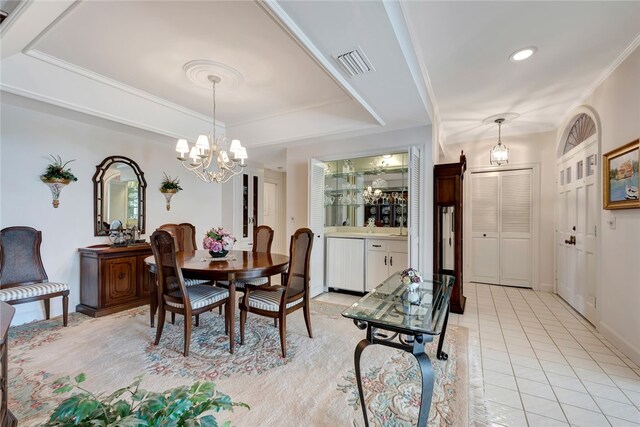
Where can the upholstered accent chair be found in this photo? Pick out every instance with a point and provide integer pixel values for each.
(278, 301)
(22, 275)
(262, 240)
(177, 298)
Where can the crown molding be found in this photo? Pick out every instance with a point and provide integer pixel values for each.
(283, 113)
(619, 60)
(36, 54)
(82, 109)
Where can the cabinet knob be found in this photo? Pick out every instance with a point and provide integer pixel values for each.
(484, 235)
(121, 275)
(377, 246)
(385, 260)
(391, 261)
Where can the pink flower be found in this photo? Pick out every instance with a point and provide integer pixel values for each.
(218, 239)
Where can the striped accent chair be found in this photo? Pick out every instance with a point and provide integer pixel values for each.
(174, 296)
(22, 275)
(278, 301)
(262, 240)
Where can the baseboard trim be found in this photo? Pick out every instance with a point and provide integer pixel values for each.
(623, 345)
(545, 287)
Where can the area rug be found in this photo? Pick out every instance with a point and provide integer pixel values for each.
(314, 386)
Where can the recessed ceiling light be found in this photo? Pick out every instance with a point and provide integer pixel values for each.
(522, 54)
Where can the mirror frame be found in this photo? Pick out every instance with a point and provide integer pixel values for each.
(99, 190)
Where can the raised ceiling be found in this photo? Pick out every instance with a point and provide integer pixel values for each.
(144, 45)
(123, 61)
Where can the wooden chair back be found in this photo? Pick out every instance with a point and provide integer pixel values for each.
(171, 285)
(262, 239)
(297, 282)
(184, 235)
(176, 232)
(188, 237)
(20, 260)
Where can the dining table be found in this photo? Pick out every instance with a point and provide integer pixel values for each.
(236, 265)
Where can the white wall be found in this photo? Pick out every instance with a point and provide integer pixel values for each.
(617, 103)
(523, 149)
(27, 138)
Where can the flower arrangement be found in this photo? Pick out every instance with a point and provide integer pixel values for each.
(410, 276)
(218, 241)
(170, 184)
(56, 170)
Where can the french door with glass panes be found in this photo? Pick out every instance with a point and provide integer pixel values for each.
(501, 227)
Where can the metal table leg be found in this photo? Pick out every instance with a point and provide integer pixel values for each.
(441, 354)
(416, 347)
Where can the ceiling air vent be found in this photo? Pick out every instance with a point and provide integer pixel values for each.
(355, 62)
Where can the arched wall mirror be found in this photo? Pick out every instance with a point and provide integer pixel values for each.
(118, 195)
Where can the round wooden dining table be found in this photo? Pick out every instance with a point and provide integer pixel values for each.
(237, 265)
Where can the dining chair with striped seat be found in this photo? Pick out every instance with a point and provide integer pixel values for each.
(278, 301)
(177, 298)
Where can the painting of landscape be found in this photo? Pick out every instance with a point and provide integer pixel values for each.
(621, 178)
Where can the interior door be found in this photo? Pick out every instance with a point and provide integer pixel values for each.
(578, 202)
(316, 223)
(485, 252)
(415, 181)
(501, 228)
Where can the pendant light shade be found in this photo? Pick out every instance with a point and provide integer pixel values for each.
(499, 154)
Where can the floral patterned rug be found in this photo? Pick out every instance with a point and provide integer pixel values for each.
(315, 385)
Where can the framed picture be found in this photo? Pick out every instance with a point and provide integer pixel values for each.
(620, 177)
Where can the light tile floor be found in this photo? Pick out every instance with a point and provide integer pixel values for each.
(542, 363)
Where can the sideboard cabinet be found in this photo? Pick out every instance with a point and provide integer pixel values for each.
(113, 279)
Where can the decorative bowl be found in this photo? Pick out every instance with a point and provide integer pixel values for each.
(221, 254)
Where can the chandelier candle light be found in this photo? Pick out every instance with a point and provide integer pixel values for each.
(499, 153)
(215, 161)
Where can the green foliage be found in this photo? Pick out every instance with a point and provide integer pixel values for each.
(131, 406)
(56, 170)
(169, 183)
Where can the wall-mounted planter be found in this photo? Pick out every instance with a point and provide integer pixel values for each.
(56, 185)
(168, 194)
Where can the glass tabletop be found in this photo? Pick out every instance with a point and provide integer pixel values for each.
(392, 304)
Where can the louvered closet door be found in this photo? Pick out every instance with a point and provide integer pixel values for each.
(485, 249)
(501, 227)
(515, 228)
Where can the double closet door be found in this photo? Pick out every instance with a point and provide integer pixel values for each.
(501, 227)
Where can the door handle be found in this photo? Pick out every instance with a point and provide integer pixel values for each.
(571, 241)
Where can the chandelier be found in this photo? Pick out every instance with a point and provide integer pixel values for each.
(217, 160)
(499, 153)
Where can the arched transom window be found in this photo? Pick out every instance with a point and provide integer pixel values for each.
(582, 129)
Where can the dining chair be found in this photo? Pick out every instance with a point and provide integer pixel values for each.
(262, 240)
(278, 301)
(22, 275)
(175, 296)
(184, 236)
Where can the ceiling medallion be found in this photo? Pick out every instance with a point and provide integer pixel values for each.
(507, 117)
(199, 70)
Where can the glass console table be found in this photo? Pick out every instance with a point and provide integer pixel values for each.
(395, 318)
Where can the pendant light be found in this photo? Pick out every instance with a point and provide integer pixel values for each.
(499, 154)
